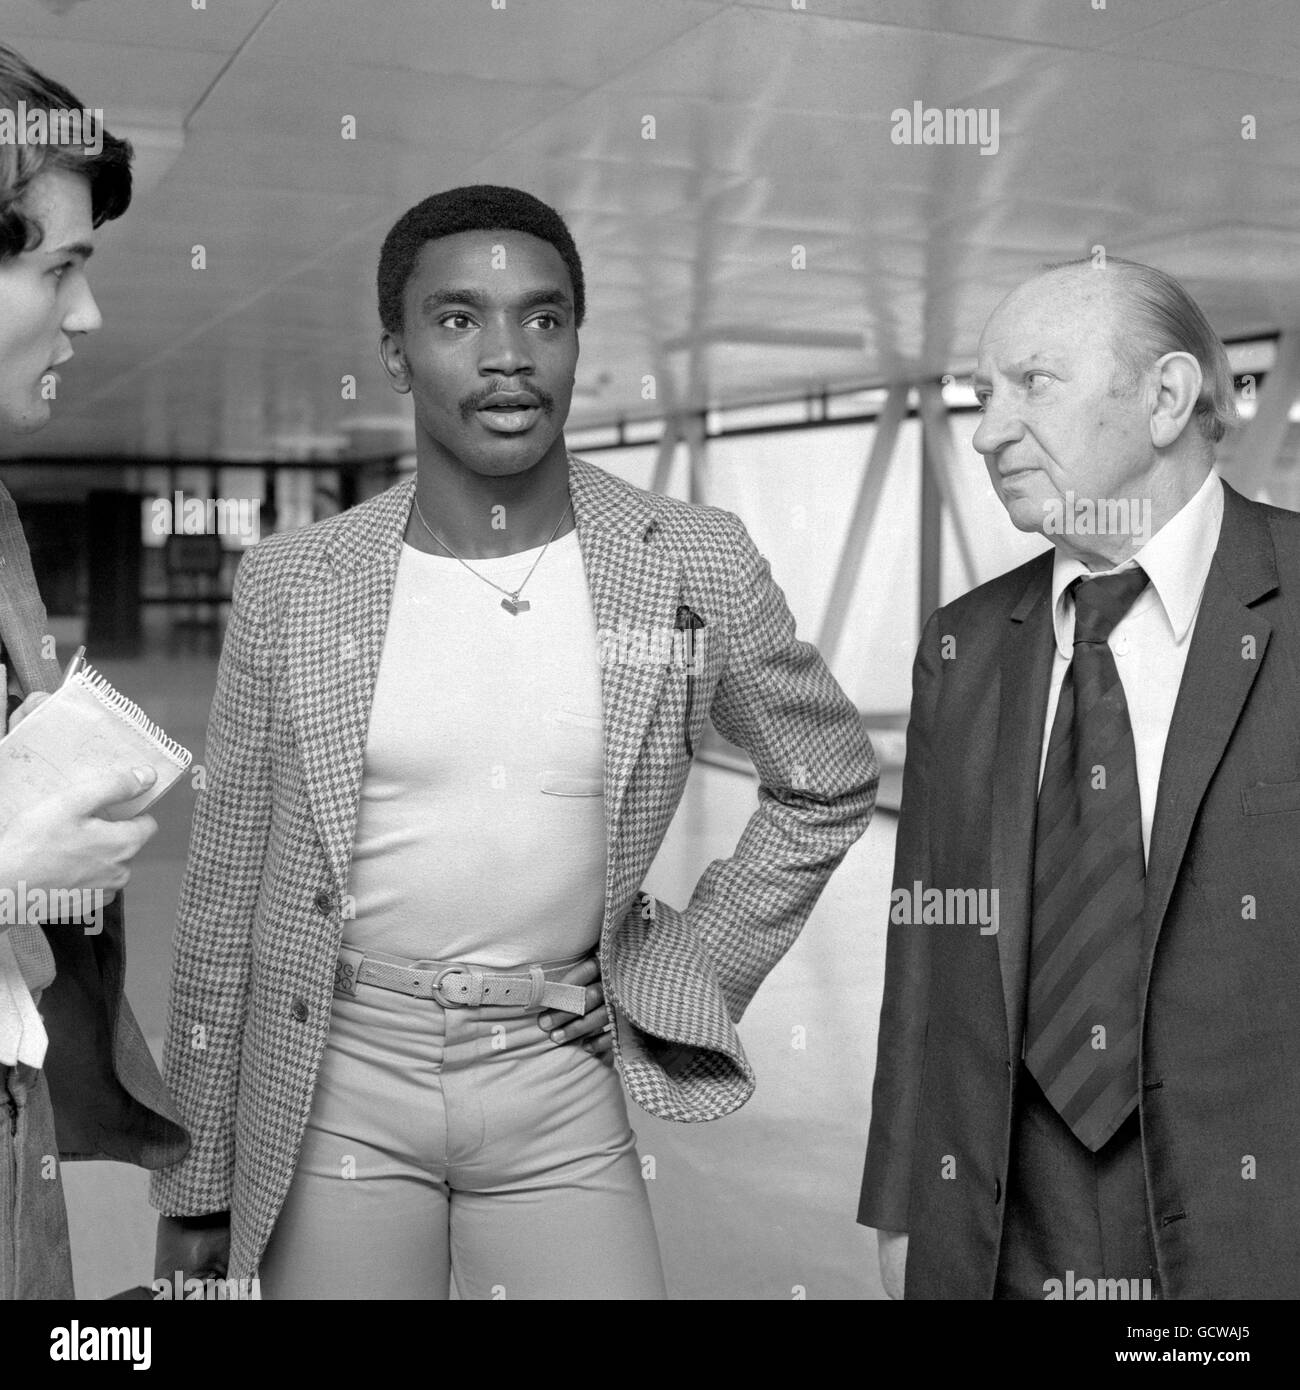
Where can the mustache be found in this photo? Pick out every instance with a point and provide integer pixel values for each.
(470, 404)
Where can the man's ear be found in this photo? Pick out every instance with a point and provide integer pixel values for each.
(393, 360)
(1178, 388)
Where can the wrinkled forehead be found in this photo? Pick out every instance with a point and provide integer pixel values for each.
(1062, 313)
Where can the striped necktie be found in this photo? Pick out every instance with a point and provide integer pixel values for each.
(1081, 1030)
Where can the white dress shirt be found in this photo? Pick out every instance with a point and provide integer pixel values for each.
(1150, 643)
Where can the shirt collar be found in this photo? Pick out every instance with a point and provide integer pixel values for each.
(1176, 559)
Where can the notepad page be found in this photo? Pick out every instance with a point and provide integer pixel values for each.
(84, 726)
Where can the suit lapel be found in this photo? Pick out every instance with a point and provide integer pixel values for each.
(1025, 675)
(635, 584)
(1216, 681)
(335, 638)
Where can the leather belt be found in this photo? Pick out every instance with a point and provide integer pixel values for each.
(456, 985)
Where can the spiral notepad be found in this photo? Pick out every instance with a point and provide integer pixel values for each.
(85, 724)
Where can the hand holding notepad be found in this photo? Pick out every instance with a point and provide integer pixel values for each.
(84, 726)
(85, 730)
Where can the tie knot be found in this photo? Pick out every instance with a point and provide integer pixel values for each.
(1100, 603)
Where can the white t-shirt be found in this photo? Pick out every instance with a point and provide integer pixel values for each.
(481, 830)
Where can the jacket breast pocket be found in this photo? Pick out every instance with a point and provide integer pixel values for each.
(694, 683)
(1270, 798)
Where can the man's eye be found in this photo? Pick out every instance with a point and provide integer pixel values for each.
(547, 321)
(982, 400)
(457, 321)
(59, 271)
(1032, 377)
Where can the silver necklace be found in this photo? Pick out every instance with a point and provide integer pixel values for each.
(512, 603)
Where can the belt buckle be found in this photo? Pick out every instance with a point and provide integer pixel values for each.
(439, 993)
(347, 971)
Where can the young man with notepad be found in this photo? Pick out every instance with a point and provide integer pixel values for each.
(76, 1078)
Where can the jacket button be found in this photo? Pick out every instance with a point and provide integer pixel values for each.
(324, 902)
(299, 1010)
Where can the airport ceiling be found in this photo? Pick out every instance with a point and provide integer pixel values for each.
(774, 128)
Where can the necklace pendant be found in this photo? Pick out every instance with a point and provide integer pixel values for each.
(514, 605)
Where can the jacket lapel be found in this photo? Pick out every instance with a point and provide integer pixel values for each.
(334, 640)
(635, 584)
(1025, 676)
(1216, 682)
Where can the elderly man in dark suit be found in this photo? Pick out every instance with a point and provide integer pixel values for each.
(1099, 1099)
(67, 1035)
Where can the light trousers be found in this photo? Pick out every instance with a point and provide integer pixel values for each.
(462, 1142)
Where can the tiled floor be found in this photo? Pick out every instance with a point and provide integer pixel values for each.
(758, 1205)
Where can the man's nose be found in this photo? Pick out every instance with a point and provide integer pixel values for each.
(505, 351)
(83, 314)
(998, 427)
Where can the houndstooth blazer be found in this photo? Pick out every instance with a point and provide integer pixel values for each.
(261, 905)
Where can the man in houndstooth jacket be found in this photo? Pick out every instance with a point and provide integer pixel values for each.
(673, 619)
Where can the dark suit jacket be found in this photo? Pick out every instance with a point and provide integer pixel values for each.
(109, 1101)
(1220, 981)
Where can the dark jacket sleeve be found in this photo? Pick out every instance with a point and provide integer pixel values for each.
(900, 1049)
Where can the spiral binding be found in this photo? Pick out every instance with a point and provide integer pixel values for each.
(131, 713)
